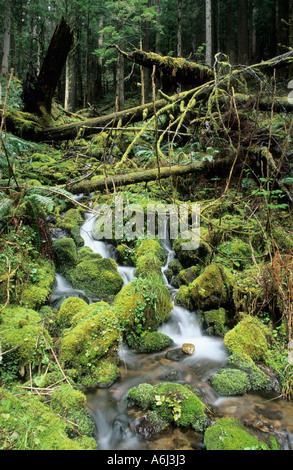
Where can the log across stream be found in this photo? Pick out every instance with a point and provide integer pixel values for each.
(118, 427)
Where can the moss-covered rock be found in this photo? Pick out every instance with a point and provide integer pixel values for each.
(28, 424)
(93, 340)
(69, 308)
(143, 305)
(174, 403)
(152, 248)
(235, 254)
(212, 289)
(249, 336)
(66, 256)
(22, 334)
(189, 258)
(151, 342)
(98, 277)
(148, 264)
(230, 382)
(71, 405)
(229, 434)
(248, 294)
(36, 292)
(214, 322)
(257, 378)
(71, 222)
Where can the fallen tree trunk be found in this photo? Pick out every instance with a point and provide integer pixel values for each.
(39, 91)
(113, 182)
(177, 69)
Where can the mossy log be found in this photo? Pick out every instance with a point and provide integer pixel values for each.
(110, 182)
(179, 69)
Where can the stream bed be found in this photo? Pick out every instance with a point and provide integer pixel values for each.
(118, 427)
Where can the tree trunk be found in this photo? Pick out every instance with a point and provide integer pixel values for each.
(69, 102)
(243, 34)
(230, 32)
(39, 92)
(87, 187)
(120, 84)
(209, 35)
(6, 39)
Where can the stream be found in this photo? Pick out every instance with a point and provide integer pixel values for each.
(118, 428)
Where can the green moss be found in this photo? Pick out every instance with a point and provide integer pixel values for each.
(95, 338)
(249, 336)
(151, 342)
(71, 404)
(35, 294)
(22, 332)
(282, 238)
(213, 288)
(68, 309)
(28, 424)
(258, 379)
(148, 264)
(189, 258)
(151, 247)
(230, 382)
(235, 254)
(248, 293)
(66, 255)
(215, 321)
(174, 403)
(71, 222)
(229, 434)
(143, 305)
(98, 277)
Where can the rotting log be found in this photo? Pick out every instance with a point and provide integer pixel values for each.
(178, 69)
(39, 91)
(115, 182)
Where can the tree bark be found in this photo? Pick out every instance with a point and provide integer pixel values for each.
(87, 187)
(209, 35)
(6, 39)
(39, 92)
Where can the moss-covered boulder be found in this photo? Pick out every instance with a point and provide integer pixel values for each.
(174, 403)
(71, 222)
(150, 342)
(234, 254)
(98, 277)
(143, 305)
(23, 335)
(248, 294)
(36, 291)
(92, 341)
(148, 264)
(65, 255)
(212, 289)
(28, 424)
(249, 336)
(189, 258)
(230, 382)
(257, 378)
(71, 405)
(152, 248)
(214, 322)
(69, 308)
(229, 434)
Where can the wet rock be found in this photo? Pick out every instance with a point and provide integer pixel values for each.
(175, 354)
(271, 414)
(188, 348)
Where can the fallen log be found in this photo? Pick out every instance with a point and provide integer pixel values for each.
(112, 182)
(177, 69)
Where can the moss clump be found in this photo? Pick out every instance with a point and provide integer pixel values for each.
(230, 382)
(151, 342)
(143, 305)
(98, 277)
(213, 288)
(174, 403)
(229, 434)
(35, 293)
(147, 264)
(248, 294)
(189, 258)
(71, 404)
(152, 248)
(66, 255)
(22, 332)
(87, 253)
(215, 322)
(258, 379)
(70, 307)
(28, 424)
(249, 336)
(235, 254)
(71, 222)
(94, 339)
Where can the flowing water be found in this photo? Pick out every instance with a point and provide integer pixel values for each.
(117, 426)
